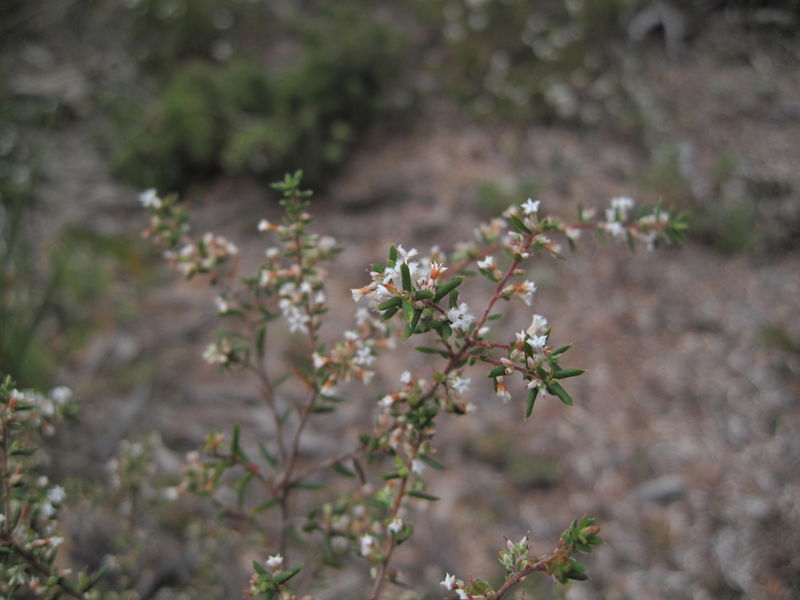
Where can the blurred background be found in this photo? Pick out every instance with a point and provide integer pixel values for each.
(413, 121)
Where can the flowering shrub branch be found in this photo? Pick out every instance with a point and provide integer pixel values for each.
(408, 295)
(30, 504)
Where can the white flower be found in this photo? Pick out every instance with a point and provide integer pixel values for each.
(405, 377)
(149, 199)
(531, 206)
(214, 356)
(364, 356)
(460, 384)
(486, 263)
(264, 278)
(449, 582)
(616, 229)
(537, 342)
(462, 595)
(417, 466)
(621, 205)
(367, 543)
(274, 562)
(271, 252)
(222, 305)
(526, 290)
(264, 225)
(572, 233)
(171, 493)
(502, 391)
(61, 394)
(396, 526)
(55, 541)
(460, 317)
(48, 510)
(56, 495)
(387, 401)
(538, 325)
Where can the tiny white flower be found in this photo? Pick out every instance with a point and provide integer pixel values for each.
(405, 377)
(271, 252)
(462, 594)
(460, 317)
(616, 230)
(486, 263)
(61, 394)
(572, 233)
(449, 582)
(55, 541)
(274, 561)
(367, 543)
(149, 199)
(171, 493)
(460, 384)
(364, 356)
(222, 305)
(537, 342)
(387, 401)
(417, 466)
(264, 225)
(538, 325)
(396, 526)
(531, 206)
(56, 495)
(622, 205)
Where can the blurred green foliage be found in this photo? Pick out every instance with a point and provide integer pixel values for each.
(45, 285)
(547, 60)
(219, 109)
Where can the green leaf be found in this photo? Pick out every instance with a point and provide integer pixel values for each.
(561, 350)
(531, 400)
(308, 485)
(445, 288)
(497, 372)
(423, 295)
(495, 316)
(236, 449)
(428, 350)
(282, 577)
(393, 253)
(405, 273)
(430, 462)
(260, 339)
(273, 462)
(556, 389)
(266, 505)
(565, 373)
(390, 303)
(408, 311)
(342, 470)
(22, 451)
(260, 570)
(422, 495)
(389, 314)
(517, 223)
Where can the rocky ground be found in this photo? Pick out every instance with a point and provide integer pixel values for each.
(685, 437)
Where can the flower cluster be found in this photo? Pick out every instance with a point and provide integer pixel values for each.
(30, 503)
